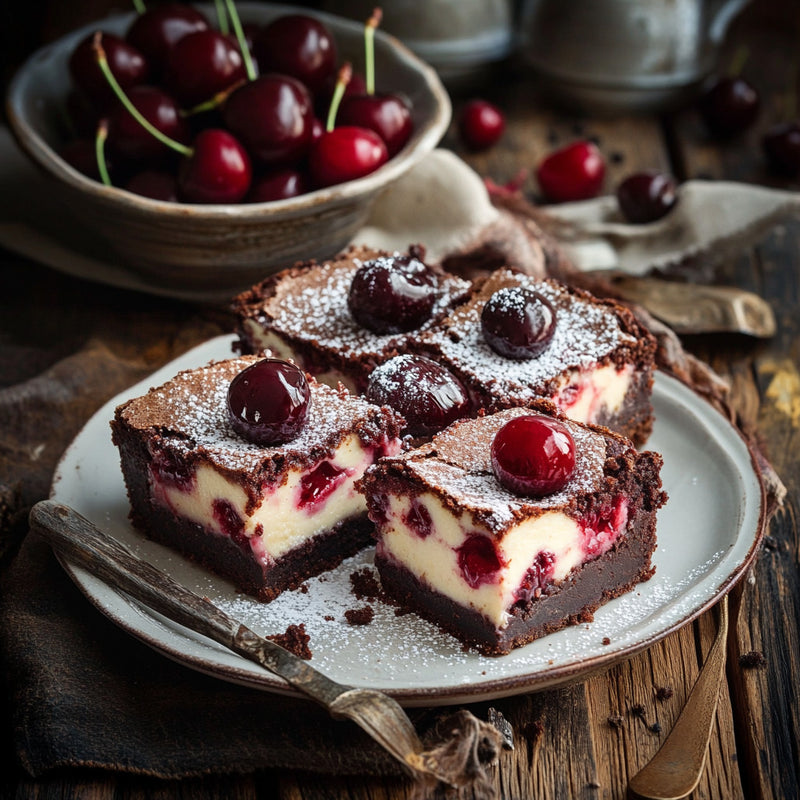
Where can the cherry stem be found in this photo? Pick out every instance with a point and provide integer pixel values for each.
(100, 151)
(369, 48)
(214, 102)
(222, 17)
(102, 62)
(345, 73)
(739, 60)
(240, 38)
(139, 6)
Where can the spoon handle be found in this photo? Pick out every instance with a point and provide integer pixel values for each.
(675, 770)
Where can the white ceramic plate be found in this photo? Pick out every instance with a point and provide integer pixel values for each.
(707, 535)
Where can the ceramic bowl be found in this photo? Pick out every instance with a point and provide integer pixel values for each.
(220, 247)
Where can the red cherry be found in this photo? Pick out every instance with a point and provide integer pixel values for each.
(268, 402)
(202, 64)
(481, 124)
(646, 196)
(279, 185)
(518, 323)
(82, 155)
(128, 65)
(297, 45)
(479, 560)
(217, 171)
(574, 172)
(155, 184)
(533, 455)
(387, 115)
(318, 484)
(345, 154)
(273, 117)
(157, 29)
(128, 139)
(781, 145)
(729, 106)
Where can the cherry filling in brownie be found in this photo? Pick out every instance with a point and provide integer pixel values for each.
(513, 525)
(248, 467)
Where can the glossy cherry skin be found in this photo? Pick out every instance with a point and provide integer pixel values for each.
(268, 402)
(297, 45)
(131, 141)
(278, 185)
(647, 196)
(533, 455)
(128, 65)
(218, 171)
(574, 172)
(424, 392)
(479, 560)
(729, 106)
(344, 154)
(273, 117)
(388, 115)
(481, 124)
(155, 184)
(392, 294)
(157, 29)
(781, 145)
(202, 64)
(518, 323)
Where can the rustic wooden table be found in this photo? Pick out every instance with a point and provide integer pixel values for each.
(587, 739)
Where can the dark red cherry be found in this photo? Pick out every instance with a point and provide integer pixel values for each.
(392, 294)
(781, 145)
(201, 65)
(388, 115)
(424, 392)
(157, 29)
(533, 455)
(155, 184)
(729, 106)
(419, 519)
(273, 117)
(297, 45)
(317, 485)
(268, 402)
(481, 124)
(279, 185)
(128, 65)
(131, 141)
(217, 171)
(537, 576)
(81, 154)
(345, 154)
(647, 196)
(574, 172)
(518, 323)
(479, 560)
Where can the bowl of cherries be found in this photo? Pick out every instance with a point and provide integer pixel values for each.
(209, 145)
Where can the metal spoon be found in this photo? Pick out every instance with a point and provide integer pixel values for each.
(675, 770)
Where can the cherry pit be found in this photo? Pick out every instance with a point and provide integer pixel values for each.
(186, 108)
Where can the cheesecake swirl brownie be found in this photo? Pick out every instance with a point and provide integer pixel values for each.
(460, 543)
(265, 515)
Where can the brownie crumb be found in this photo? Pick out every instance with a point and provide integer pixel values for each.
(533, 731)
(329, 618)
(365, 584)
(615, 721)
(295, 640)
(752, 660)
(606, 640)
(770, 543)
(503, 727)
(638, 710)
(359, 616)
(304, 588)
(664, 693)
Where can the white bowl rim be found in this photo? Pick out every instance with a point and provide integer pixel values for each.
(421, 143)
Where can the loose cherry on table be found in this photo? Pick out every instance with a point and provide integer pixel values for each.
(480, 124)
(781, 145)
(518, 323)
(533, 455)
(424, 392)
(574, 172)
(646, 196)
(268, 402)
(393, 294)
(729, 106)
(389, 115)
(297, 45)
(128, 65)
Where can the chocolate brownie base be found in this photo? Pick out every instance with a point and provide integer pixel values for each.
(571, 602)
